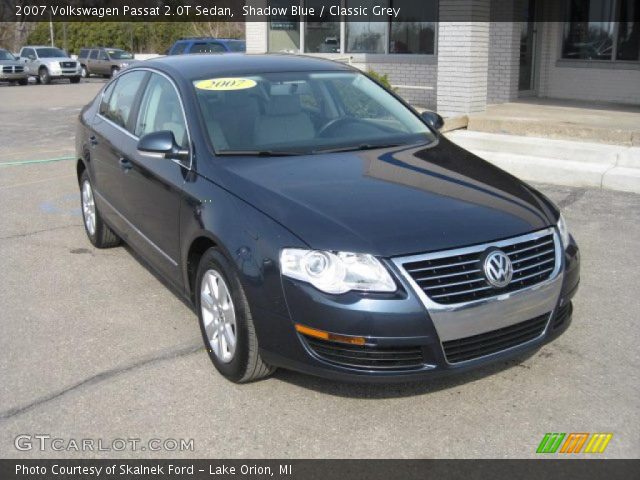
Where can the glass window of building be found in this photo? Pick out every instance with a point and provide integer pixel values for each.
(602, 30)
(629, 31)
(321, 34)
(407, 33)
(367, 36)
(284, 30)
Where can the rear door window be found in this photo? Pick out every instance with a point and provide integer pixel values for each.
(208, 47)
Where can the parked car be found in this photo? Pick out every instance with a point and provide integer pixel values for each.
(103, 61)
(11, 70)
(207, 45)
(48, 63)
(317, 222)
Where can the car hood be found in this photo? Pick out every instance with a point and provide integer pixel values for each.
(389, 202)
(11, 62)
(56, 59)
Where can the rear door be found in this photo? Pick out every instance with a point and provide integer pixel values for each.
(92, 61)
(112, 143)
(153, 186)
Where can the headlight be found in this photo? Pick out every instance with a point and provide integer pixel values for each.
(564, 231)
(336, 272)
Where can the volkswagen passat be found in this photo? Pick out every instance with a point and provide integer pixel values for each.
(316, 222)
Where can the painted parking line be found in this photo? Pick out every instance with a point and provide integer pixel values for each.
(42, 160)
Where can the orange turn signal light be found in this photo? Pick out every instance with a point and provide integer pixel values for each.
(331, 337)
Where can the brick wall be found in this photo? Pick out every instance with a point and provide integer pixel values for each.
(463, 53)
(411, 74)
(256, 35)
(504, 54)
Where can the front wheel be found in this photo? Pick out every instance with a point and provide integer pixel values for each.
(226, 322)
(83, 72)
(114, 71)
(23, 81)
(100, 235)
(44, 77)
(74, 79)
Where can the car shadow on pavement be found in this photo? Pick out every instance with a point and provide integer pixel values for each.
(373, 391)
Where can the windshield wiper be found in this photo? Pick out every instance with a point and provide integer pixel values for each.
(362, 146)
(260, 153)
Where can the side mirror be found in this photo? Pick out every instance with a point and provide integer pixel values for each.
(162, 144)
(432, 119)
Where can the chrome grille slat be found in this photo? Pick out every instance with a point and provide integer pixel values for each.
(548, 270)
(529, 267)
(537, 255)
(449, 275)
(455, 284)
(460, 293)
(441, 266)
(550, 242)
(534, 258)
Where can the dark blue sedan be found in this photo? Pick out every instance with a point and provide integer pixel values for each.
(317, 222)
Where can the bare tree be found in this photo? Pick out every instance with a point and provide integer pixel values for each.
(218, 29)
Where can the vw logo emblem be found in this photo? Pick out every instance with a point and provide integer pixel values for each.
(498, 269)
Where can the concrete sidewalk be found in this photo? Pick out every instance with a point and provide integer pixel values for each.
(563, 120)
(559, 162)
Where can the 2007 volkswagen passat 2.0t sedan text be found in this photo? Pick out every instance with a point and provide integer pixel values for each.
(316, 222)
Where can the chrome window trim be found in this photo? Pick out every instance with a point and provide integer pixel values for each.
(482, 312)
(136, 229)
(133, 136)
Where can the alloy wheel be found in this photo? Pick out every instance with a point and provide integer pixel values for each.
(218, 315)
(88, 208)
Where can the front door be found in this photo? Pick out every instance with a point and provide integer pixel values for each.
(152, 187)
(528, 41)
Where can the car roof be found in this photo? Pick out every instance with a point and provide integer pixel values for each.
(40, 46)
(194, 67)
(196, 39)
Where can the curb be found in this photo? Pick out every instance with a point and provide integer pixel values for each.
(558, 162)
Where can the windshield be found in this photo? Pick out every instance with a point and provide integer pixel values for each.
(119, 55)
(50, 52)
(303, 113)
(236, 46)
(4, 55)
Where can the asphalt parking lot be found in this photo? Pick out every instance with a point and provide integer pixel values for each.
(93, 345)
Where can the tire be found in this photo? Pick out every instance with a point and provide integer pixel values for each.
(84, 73)
(74, 79)
(100, 235)
(244, 364)
(43, 76)
(23, 81)
(114, 71)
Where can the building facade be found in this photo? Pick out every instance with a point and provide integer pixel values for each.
(470, 56)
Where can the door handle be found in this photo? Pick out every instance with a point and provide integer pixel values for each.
(125, 164)
(93, 140)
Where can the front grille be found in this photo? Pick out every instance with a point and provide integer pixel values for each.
(459, 278)
(18, 69)
(68, 64)
(7, 69)
(367, 357)
(469, 348)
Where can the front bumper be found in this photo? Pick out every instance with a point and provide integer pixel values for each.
(400, 326)
(13, 76)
